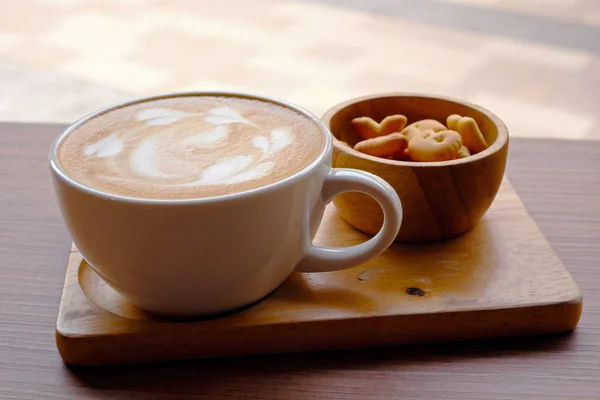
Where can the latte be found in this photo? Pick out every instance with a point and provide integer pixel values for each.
(190, 147)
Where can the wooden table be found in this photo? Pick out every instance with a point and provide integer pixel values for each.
(558, 181)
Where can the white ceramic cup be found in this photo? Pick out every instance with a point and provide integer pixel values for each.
(195, 257)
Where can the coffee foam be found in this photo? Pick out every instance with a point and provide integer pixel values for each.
(190, 147)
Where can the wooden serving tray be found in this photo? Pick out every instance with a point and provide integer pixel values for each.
(501, 279)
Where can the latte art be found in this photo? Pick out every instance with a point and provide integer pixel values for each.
(149, 157)
(190, 147)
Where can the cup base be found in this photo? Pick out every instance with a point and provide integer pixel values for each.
(101, 292)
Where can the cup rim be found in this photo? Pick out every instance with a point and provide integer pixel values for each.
(498, 144)
(65, 177)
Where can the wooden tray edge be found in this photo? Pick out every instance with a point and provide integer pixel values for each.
(82, 350)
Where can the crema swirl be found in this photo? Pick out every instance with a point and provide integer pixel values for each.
(190, 147)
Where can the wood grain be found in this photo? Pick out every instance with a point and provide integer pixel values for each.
(501, 279)
(440, 199)
(558, 182)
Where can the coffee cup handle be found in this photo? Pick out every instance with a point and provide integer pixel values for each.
(340, 180)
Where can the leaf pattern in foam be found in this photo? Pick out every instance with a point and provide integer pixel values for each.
(280, 139)
(224, 169)
(160, 116)
(210, 139)
(108, 146)
(256, 172)
(261, 143)
(143, 159)
(223, 115)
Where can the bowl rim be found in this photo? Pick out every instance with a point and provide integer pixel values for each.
(498, 144)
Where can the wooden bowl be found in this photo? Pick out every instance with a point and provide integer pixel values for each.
(440, 199)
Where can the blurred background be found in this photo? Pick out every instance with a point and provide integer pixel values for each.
(535, 63)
